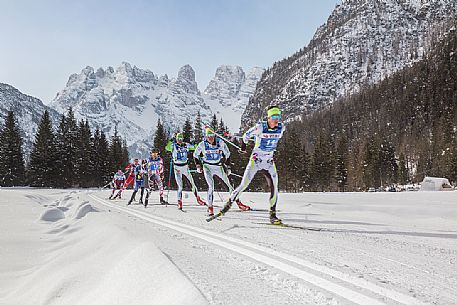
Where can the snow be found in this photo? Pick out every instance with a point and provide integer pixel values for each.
(372, 248)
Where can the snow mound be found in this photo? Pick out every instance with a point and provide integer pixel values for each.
(84, 209)
(53, 214)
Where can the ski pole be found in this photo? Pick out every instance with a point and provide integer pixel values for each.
(236, 175)
(169, 177)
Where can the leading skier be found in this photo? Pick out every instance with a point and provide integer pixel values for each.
(266, 134)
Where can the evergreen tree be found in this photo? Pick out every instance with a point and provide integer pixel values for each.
(403, 176)
(187, 131)
(305, 168)
(293, 161)
(101, 158)
(12, 169)
(42, 169)
(341, 170)
(323, 165)
(116, 152)
(198, 128)
(67, 138)
(83, 162)
(160, 142)
(214, 125)
(125, 154)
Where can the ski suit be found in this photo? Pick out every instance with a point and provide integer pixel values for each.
(261, 159)
(211, 155)
(179, 154)
(155, 173)
(140, 173)
(118, 181)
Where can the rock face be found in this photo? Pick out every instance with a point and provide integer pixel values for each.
(134, 99)
(363, 41)
(28, 111)
(229, 91)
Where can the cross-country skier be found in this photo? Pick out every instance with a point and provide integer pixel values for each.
(179, 151)
(155, 175)
(140, 173)
(130, 179)
(118, 183)
(209, 155)
(267, 135)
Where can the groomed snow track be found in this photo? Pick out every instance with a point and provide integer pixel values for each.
(353, 289)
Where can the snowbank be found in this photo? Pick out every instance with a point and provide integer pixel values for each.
(72, 255)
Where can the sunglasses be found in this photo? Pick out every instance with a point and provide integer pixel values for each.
(276, 116)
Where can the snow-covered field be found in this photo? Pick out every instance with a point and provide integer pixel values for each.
(76, 247)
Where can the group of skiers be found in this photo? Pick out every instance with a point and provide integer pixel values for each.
(212, 158)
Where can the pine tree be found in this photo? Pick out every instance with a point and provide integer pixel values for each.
(101, 158)
(305, 168)
(198, 128)
(187, 131)
(323, 164)
(42, 169)
(214, 125)
(403, 176)
(67, 138)
(115, 152)
(83, 162)
(341, 171)
(12, 169)
(160, 142)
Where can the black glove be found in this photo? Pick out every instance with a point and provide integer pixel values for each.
(243, 147)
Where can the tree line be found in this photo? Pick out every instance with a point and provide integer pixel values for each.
(70, 155)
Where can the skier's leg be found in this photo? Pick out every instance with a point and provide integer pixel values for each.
(135, 189)
(146, 200)
(221, 173)
(249, 173)
(207, 171)
(178, 178)
(194, 187)
(271, 176)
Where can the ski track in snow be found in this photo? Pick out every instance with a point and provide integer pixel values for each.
(351, 288)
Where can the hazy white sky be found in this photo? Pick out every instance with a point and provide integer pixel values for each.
(43, 42)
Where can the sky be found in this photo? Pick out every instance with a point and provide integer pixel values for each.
(43, 42)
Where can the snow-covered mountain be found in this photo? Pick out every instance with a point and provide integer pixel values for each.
(134, 99)
(28, 111)
(229, 91)
(363, 41)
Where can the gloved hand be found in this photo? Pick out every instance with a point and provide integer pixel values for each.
(242, 149)
(199, 169)
(228, 169)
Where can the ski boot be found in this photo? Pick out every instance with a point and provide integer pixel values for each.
(179, 204)
(210, 211)
(242, 206)
(130, 202)
(111, 197)
(146, 201)
(200, 201)
(273, 219)
(162, 201)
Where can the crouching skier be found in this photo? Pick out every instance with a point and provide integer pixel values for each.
(179, 151)
(209, 155)
(140, 173)
(130, 179)
(155, 175)
(267, 135)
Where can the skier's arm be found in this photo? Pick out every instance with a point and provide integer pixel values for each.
(169, 146)
(225, 150)
(255, 130)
